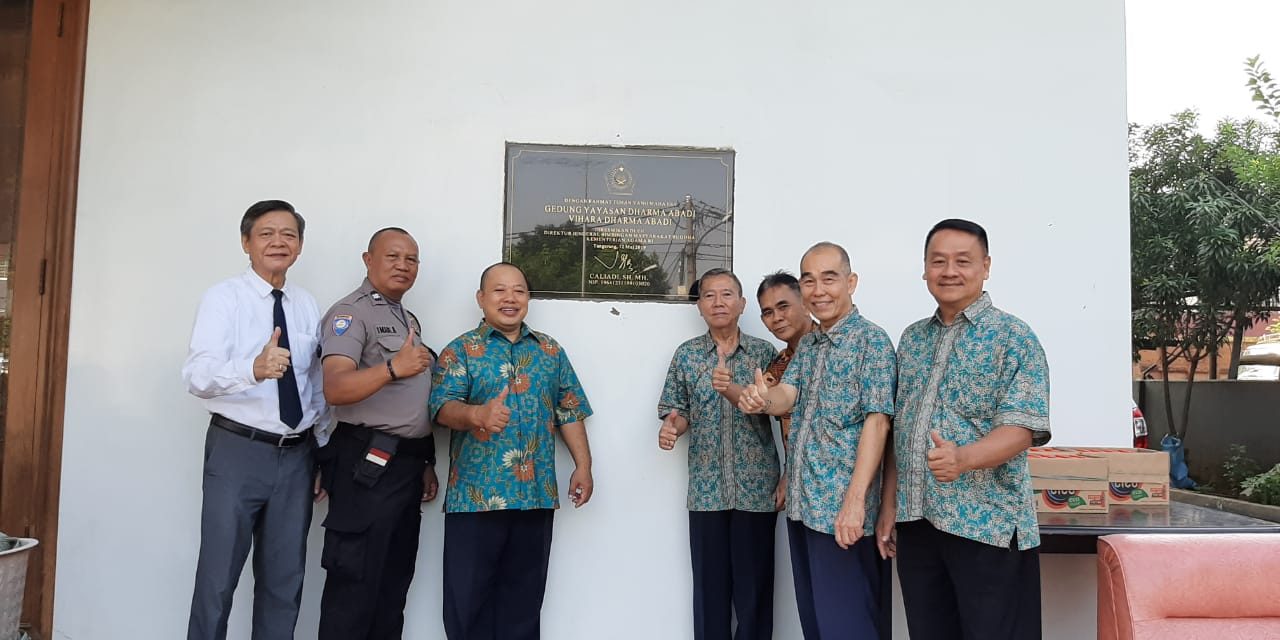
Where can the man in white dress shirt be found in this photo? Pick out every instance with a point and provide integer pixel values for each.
(253, 361)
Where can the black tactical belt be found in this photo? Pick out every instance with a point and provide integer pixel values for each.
(424, 447)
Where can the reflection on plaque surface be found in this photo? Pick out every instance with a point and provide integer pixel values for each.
(617, 222)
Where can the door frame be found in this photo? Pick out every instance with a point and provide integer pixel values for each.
(41, 291)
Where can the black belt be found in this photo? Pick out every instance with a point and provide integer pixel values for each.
(277, 439)
(424, 447)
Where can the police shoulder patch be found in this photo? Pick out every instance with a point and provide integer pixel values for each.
(340, 324)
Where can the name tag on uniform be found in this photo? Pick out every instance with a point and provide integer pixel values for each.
(385, 330)
(378, 457)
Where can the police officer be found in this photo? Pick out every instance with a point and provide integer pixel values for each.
(380, 463)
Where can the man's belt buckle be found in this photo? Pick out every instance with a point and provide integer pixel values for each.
(283, 438)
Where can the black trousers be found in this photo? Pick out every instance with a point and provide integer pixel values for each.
(495, 573)
(370, 540)
(961, 589)
(732, 554)
(838, 591)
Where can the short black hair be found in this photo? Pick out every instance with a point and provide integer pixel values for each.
(374, 238)
(779, 278)
(956, 224)
(716, 272)
(484, 274)
(262, 208)
(844, 255)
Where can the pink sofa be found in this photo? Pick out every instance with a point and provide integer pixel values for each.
(1189, 586)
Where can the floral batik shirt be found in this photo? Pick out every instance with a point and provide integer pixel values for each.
(515, 468)
(842, 375)
(986, 369)
(733, 462)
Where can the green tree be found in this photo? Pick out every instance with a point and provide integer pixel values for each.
(1204, 260)
(1258, 164)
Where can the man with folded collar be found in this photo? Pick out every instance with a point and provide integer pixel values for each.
(253, 360)
(973, 396)
(505, 391)
(840, 385)
(733, 497)
(379, 466)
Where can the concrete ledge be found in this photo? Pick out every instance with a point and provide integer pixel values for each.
(1242, 507)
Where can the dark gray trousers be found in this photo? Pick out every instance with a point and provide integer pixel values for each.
(255, 495)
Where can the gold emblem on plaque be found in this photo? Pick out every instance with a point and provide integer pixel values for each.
(619, 181)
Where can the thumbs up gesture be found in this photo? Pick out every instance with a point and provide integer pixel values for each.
(493, 416)
(412, 358)
(753, 398)
(721, 377)
(273, 361)
(944, 459)
(673, 425)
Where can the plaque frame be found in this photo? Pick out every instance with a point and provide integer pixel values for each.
(627, 217)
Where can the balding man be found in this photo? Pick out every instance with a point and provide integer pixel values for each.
(505, 391)
(380, 464)
(839, 389)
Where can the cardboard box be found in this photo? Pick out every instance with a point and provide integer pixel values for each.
(1136, 476)
(1065, 481)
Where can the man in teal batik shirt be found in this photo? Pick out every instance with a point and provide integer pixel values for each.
(733, 466)
(839, 389)
(973, 395)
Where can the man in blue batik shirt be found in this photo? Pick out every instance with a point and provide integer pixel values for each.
(841, 385)
(973, 395)
(506, 391)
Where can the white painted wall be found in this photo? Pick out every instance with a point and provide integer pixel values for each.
(859, 122)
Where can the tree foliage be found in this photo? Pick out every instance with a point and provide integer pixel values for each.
(1205, 225)
(1265, 91)
(1260, 169)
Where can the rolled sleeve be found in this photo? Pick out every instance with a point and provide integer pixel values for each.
(1024, 394)
(571, 399)
(450, 379)
(879, 373)
(350, 343)
(675, 394)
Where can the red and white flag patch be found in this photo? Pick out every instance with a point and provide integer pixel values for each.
(378, 457)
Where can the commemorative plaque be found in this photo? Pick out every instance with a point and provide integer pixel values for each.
(617, 223)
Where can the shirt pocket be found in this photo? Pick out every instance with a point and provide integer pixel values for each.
(841, 401)
(391, 344)
(841, 414)
(974, 390)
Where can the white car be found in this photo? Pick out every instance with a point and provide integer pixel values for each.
(1266, 345)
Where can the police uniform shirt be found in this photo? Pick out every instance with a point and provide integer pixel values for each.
(370, 329)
